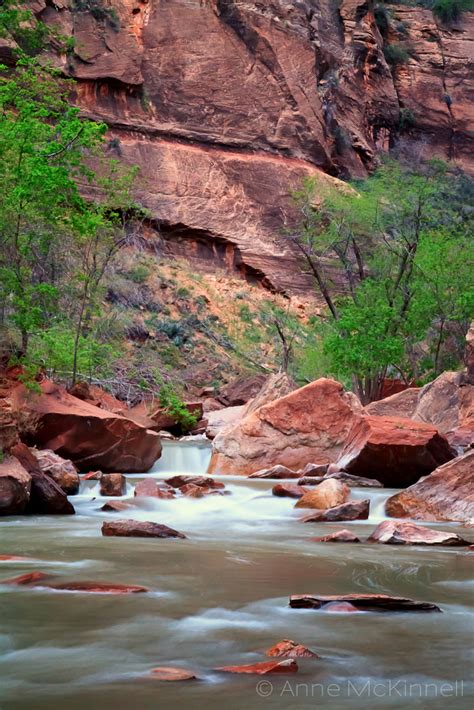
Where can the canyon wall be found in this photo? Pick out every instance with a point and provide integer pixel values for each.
(226, 105)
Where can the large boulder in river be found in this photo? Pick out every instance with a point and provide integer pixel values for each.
(395, 451)
(397, 532)
(402, 404)
(15, 486)
(309, 425)
(448, 404)
(447, 494)
(91, 437)
(60, 470)
(46, 497)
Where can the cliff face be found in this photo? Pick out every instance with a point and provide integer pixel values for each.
(226, 104)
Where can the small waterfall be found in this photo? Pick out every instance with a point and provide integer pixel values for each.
(185, 456)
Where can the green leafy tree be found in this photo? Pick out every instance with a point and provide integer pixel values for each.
(390, 260)
(55, 245)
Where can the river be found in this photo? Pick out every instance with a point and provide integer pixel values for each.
(220, 597)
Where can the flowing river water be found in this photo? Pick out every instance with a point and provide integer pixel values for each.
(220, 597)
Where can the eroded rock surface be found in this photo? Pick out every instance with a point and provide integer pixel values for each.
(229, 104)
(309, 425)
(447, 494)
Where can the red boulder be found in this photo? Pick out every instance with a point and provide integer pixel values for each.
(89, 436)
(396, 452)
(138, 528)
(113, 484)
(290, 649)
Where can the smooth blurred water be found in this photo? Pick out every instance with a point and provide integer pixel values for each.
(221, 597)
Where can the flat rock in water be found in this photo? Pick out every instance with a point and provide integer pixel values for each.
(363, 602)
(278, 472)
(169, 673)
(287, 666)
(33, 578)
(352, 510)
(117, 506)
(149, 488)
(203, 481)
(394, 532)
(138, 528)
(290, 649)
(288, 490)
(341, 608)
(354, 481)
(99, 587)
(339, 536)
(309, 481)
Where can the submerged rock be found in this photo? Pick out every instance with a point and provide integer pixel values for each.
(328, 494)
(341, 607)
(363, 602)
(352, 510)
(117, 506)
(392, 532)
(395, 451)
(113, 484)
(204, 481)
(275, 472)
(290, 649)
(446, 494)
(263, 668)
(354, 481)
(169, 673)
(190, 490)
(138, 528)
(15, 487)
(310, 481)
(288, 490)
(34, 578)
(339, 536)
(150, 488)
(98, 587)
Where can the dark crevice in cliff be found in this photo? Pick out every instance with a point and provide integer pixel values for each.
(446, 98)
(206, 250)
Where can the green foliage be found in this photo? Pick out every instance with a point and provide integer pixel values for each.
(175, 407)
(407, 119)
(98, 11)
(396, 54)
(451, 10)
(139, 273)
(55, 245)
(53, 348)
(403, 244)
(382, 18)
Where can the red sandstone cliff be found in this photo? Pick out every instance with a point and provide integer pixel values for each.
(226, 104)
